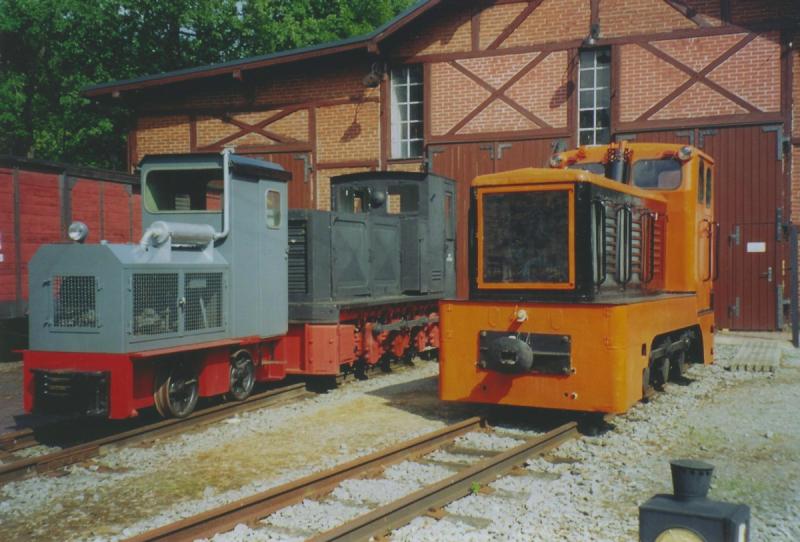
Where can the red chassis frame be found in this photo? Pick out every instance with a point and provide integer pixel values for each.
(369, 334)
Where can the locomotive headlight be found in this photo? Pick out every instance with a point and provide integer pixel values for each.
(685, 153)
(78, 232)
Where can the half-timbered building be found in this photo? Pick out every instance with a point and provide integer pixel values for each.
(469, 87)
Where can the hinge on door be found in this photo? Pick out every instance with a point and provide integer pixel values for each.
(502, 147)
(701, 136)
(488, 147)
(779, 224)
(736, 236)
(559, 145)
(687, 134)
(432, 152)
(307, 167)
(735, 309)
(782, 142)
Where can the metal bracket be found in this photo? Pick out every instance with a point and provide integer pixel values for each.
(687, 134)
(488, 147)
(781, 141)
(779, 224)
(307, 167)
(559, 145)
(701, 136)
(736, 236)
(736, 308)
(432, 152)
(503, 147)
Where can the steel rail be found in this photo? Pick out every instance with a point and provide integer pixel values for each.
(251, 509)
(402, 511)
(75, 454)
(17, 440)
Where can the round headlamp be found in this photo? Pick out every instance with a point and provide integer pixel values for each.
(78, 232)
(685, 153)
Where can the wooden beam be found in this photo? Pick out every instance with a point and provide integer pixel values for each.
(516, 23)
(498, 94)
(696, 77)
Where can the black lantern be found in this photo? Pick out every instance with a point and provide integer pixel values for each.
(688, 515)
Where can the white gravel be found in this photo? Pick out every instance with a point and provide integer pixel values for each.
(590, 489)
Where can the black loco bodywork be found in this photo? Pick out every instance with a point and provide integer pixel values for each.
(389, 239)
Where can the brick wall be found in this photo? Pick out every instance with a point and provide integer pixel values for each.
(542, 91)
(645, 79)
(162, 135)
(629, 17)
(552, 21)
(348, 132)
(447, 30)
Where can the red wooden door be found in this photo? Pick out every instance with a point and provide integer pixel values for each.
(462, 162)
(520, 154)
(748, 200)
(301, 187)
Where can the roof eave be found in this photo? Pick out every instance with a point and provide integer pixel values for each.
(369, 42)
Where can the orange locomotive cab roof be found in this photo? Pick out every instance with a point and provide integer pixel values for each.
(597, 153)
(542, 176)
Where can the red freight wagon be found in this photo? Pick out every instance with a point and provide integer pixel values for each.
(38, 201)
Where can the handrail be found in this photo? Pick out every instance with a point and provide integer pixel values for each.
(624, 253)
(600, 241)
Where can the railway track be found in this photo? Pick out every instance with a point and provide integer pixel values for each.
(19, 440)
(486, 467)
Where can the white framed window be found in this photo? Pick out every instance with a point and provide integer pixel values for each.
(407, 112)
(594, 97)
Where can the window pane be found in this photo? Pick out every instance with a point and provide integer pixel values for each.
(416, 93)
(416, 112)
(404, 131)
(603, 136)
(401, 93)
(662, 174)
(708, 187)
(587, 59)
(604, 97)
(587, 79)
(416, 130)
(587, 119)
(415, 149)
(273, 209)
(526, 235)
(587, 137)
(603, 57)
(602, 118)
(604, 78)
(587, 99)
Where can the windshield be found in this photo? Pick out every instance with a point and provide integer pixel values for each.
(526, 237)
(184, 190)
(657, 174)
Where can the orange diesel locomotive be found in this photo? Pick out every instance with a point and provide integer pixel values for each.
(591, 282)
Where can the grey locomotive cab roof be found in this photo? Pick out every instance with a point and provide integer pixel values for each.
(240, 165)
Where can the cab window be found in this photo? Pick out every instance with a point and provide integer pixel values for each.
(708, 187)
(657, 174)
(701, 187)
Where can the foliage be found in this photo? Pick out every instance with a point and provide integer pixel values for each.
(51, 49)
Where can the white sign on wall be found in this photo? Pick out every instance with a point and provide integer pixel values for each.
(757, 247)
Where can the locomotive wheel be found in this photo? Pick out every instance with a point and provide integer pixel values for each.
(176, 392)
(242, 375)
(659, 373)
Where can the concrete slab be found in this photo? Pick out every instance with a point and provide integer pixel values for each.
(759, 352)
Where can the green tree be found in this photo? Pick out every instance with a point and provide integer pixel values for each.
(51, 49)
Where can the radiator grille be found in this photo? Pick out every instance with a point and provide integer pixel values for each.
(298, 262)
(203, 309)
(155, 303)
(75, 301)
